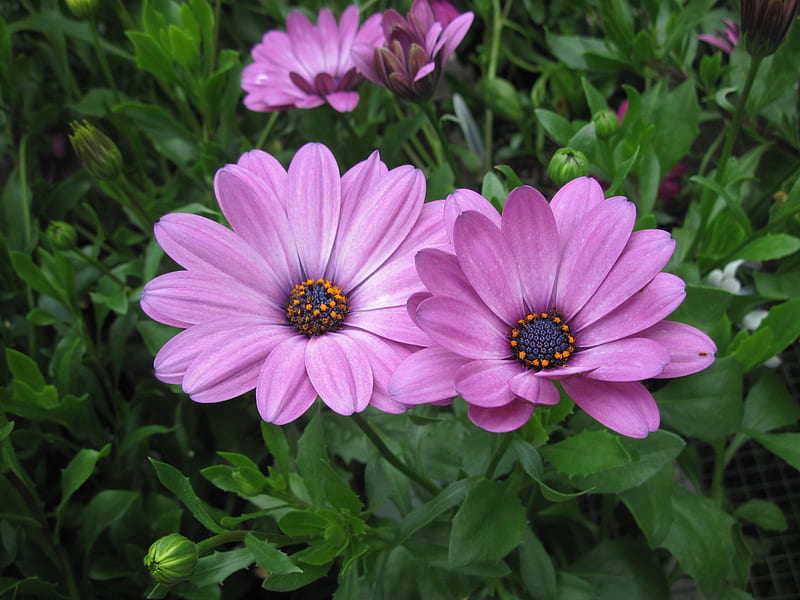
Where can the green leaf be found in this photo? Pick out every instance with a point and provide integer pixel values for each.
(31, 274)
(269, 557)
(275, 439)
(707, 405)
(151, 57)
(25, 369)
(293, 581)
(138, 435)
(214, 569)
(702, 540)
(536, 568)
(302, 523)
(703, 307)
(79, 469)
(785, 445)
(338, 493)
(184, 49)
(769, 247)
(651, 505)
(102, 511)
(769, 405)
(487, 526)
(763, 513)
(423, 514)
(779, 329)
(179, 485)
(594, 98)
(311, 455)
(586, 453)
(557, 127)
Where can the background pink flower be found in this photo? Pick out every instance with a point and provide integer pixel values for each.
(306, 296)
(309, 65)
(562, 291)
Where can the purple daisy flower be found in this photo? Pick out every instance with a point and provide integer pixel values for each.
(726, 43)
(307, 295)
(409, 59)
(562, 291)
(309, 65)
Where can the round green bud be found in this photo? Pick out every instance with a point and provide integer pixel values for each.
(99, 155)
(335, 535)
(172, 559)
(83, 9)
(606, 123)
(567, 164)
(61, 236)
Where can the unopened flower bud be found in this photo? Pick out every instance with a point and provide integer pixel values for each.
(765, 23)
(61, 236)
(83, 9)
(567, 164)
(99, 155)
(606, 123)
(172, 559)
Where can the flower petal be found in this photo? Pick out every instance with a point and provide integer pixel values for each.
(652, 303)
(267, 168)
(314, 202)
(342, 101)
(393, 323)
(571, 203)
(485, 382)
(463, 200)
(626, 407)
(501, 419)
(487, 261)
(629, 359)
(593, 248)
(644, 256)
(284, 391)
(231, 367)
(340, 372)
(690, 350)
(535, 390)
(460, 328)
(530, 228)
(426, 376)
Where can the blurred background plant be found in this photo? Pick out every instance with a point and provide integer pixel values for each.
(152, 90)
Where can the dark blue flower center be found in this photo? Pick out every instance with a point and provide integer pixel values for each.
(542, 341)
(316, 306)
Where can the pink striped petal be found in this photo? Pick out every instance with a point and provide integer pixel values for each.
(425, 377)
(627, 407)
(314, 201)
(502, 419)
(690, 350)
(535, 390)
(342, 101)
(340, 372)
(284, 391)
(453, 34)
(268, 169)
(571, 203)
(629, 359)
(458, 327)
(393, 323)
(485, 382)
(530, 228)
(463, 200)
(487, 261)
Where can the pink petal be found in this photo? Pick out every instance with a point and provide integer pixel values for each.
(393, 323)
(314, 201)
(530, 228)
(340, 372)
(571, 203)
(342, 101)
(644, 256)
(535, 390)
(485, 382)
(487, 261)
(594, 247)
(502, 419)
(454, 33)
(284, 391)
(426, 376)
(690, 350)
(230, 368)
(268, 169)
(627, 407)
(463, 200)
(458, 327)
(651, 304)
(629, 359)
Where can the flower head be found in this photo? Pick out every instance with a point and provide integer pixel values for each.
(409, 60)
(562, 291)
(98, 153)
(725, 40)
(306, 296)
(172, 559)
(765, 24)
(309, 65)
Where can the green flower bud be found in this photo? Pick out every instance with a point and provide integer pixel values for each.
(99, 155)
(61, 236)
(606, 123)
(765, 23)
(567, 164)
(172, 559)
(83, 9)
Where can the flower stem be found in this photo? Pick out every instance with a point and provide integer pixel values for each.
(101, 54)
(430, 112)
(267, 129)
(505, 442)
(390, 457)
(102, 267)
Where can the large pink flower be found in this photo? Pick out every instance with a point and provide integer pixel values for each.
(307, 295)
(409, 61)
(562, 291)
(309, 65)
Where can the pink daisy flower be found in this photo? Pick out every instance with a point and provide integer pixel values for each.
(562, 291)
(306, 296)
(309, 65)
(409, 59)
(726, 43)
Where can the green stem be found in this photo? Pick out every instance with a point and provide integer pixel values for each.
(491, 72)
(430, 112)
(390, 457)
(101, 54)
(719, 468)
(97, 264)
(420, 155)
(707, 199)
(505, 442)
(227, 537)
(267, 129)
